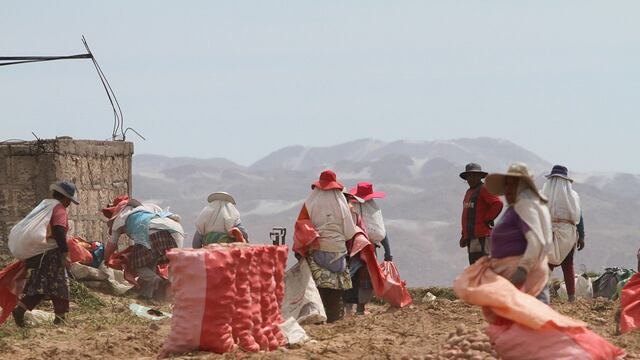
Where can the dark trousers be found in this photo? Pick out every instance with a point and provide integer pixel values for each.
(60, 305)
(474, 256)
(568, 273)
(332, 302)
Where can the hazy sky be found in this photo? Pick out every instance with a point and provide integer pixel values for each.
(239, 79)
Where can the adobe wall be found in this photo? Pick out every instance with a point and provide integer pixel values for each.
(101, 170)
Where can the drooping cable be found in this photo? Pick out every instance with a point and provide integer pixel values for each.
(117, 111)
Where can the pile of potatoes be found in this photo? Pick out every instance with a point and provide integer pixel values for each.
(465, 344)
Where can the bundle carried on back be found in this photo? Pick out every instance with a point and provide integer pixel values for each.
(29, 236)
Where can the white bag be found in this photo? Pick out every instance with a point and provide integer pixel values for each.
(84, 272)
(301, 297)
(373, 221)
(565, 238)
(293, 332)
(29, 237)
(116, 280)
(36, 317)
(584, 288)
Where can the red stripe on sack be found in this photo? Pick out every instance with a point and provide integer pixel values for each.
(216, 333)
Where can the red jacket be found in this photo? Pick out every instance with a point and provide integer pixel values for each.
(479, 208)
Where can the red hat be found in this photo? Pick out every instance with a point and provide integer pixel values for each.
(114, 208)
(327, 181)
(365, 191)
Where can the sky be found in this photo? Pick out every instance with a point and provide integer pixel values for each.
(242, 79)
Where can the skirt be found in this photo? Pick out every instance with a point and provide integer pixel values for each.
(142, 257)
(325, 278)
(47, 276)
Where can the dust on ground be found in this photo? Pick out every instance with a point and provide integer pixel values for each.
(100, 326)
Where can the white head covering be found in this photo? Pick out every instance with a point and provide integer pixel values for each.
(535, 214)
(330, 214)
(373, 221)
(219, 216)
(564, 202)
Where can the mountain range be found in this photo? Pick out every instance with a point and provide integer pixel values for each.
(423, 196)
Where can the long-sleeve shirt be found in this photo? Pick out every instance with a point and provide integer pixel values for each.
(580, 227)
(479, 208)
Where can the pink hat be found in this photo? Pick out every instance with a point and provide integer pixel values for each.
(327, 181)
(365, 191)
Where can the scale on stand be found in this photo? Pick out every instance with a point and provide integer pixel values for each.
(278, 235)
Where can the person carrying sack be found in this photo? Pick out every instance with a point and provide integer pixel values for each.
(46, 270)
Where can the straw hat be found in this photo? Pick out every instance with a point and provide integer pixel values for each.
(67, 189)
(495, 182)
(221, 195)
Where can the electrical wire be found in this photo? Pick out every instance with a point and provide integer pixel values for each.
(118, 121)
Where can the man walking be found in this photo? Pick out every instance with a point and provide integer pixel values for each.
(479, 210)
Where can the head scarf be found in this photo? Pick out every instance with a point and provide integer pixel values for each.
(564, 202)
(535, 213)
(329, 212)
(219, 216)
(373, 221)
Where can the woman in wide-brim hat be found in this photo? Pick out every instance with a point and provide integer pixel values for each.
(522, 238)
(47, 276)
(219, 222)
(321, 231)
(371, 215)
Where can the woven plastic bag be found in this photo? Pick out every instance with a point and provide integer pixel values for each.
(28, 237)
(301, 298)
(395, 289)
(225, 297)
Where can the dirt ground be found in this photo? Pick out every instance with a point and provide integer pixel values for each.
(102, 327)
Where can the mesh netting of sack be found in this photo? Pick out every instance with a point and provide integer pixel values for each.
(226, 296)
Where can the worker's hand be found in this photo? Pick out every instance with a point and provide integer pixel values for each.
(464, 242)
(519, 277)
(388, 257)
(580, 244)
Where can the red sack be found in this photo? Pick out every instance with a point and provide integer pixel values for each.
(395, 289)
(630, 305)
(78, 253)
(225, 297)
(514, 341)
(12, 280)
